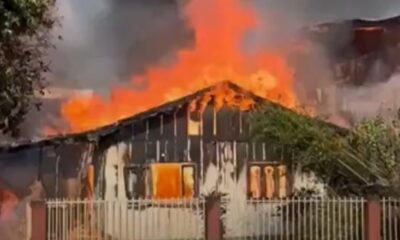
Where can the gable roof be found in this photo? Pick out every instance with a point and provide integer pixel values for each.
(94, 134)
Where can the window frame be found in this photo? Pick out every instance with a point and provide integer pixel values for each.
(139, 190)
(262, 184)
(195, 180)
(143, 187)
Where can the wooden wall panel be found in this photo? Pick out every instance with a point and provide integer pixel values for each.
(139, 130)
(139, 152)
(151, 151)
(242, 156)
(182, 122)
(223, 123)
(154, 125)
(234, 125)
(244, 126)
(163, 150)
(209, 154)
(181, 149)
(70, 159)
(168, 125)
(228, 124)
(171, 152)
(208, 123)
(194, 149)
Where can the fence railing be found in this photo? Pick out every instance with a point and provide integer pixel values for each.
(306, 218)
(215, 218)
(390, 229)
(136, 219)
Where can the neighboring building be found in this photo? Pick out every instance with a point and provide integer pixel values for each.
(360, 51)
(189, 147)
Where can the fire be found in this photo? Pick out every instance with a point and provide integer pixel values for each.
(8, 202)
(219, 27)
(219, 96)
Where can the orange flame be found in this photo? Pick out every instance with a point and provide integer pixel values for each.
(217, 56)
(8, 202)
(222, 95)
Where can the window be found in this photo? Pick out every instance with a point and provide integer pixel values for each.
(135, 181)
(267, 181)
(188, 180)
(160, 181)
(172, 180)
(194, 123)
(165, 180)
(282, 181)
(255, 182)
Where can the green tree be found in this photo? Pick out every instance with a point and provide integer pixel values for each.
(363, 160)
(24, 39)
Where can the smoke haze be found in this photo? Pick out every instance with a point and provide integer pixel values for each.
(106, 42)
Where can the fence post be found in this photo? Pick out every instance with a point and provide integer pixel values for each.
(373, 219)
(37, 220)
(213, 221)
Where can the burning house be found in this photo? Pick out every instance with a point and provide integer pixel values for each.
(188, 133)
(196, 144)
(189, 147)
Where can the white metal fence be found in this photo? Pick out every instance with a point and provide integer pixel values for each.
(295, 219)
(390, 219)
(125, 220)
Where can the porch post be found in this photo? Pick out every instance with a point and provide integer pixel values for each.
(37, 220)
(372, 226)
(213, 222)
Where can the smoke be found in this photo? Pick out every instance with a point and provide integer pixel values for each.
(105, 42)
(315, 81)
(369, 101)
(301, 12)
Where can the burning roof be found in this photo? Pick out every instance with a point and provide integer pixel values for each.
(94, 134)
(218, 54)
(247, 100)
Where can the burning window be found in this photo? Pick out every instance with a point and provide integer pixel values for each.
(267, 181)
(188, 177)
(282, 181)
(255, 182)
(172, 180)
(194, 123)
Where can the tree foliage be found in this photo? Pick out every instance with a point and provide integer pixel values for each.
(359, 161)
(24, 39)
